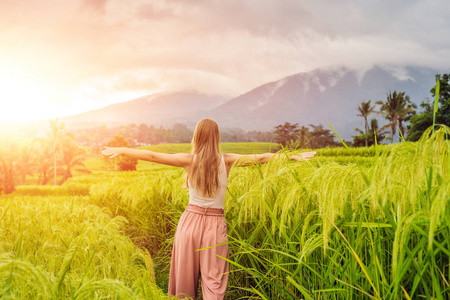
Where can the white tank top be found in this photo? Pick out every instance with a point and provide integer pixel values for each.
(219, 198)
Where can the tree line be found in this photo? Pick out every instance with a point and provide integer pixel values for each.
(54, 156)
(420, 122)
(51, 157)
(312, 136)
(398, 109)
(143, 134)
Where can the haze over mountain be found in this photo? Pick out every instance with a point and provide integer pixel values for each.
(317, 97)
(323, 95)
(156, 109)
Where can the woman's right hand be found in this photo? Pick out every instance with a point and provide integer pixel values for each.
(111, 151)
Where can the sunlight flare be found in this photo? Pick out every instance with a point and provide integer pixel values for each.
(23, 98)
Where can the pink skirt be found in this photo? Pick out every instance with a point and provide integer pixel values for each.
(200, 228)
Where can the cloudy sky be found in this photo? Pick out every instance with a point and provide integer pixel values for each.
(62, 57)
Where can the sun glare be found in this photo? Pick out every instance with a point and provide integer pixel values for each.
(22, 98)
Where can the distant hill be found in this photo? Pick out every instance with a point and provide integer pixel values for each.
(321, 96)
(157, 109)
(315, 97)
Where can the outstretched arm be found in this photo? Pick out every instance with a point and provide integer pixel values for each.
(247, 160)
(177, 160)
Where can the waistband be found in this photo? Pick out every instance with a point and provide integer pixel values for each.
(207, 211)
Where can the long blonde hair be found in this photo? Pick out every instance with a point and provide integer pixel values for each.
(203, 173)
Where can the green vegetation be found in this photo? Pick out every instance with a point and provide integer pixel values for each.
(121, 163)
(61, 247)
(358, 223)
(375, 135)
(55, 155)
(142, 134)
(293, 137)
(241, 148)
(364, 111)
(439, 114)
(397, 109)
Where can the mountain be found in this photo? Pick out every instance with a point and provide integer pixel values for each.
(316, 97)
(157, 109)
(322, 95)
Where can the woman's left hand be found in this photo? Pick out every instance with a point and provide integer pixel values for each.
(303, 156)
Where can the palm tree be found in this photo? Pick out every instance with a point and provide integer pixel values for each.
(7, 170)
(377, 133)
(364, 111)
(304, 137)
(26, 162)
(71, 156)
(397, 109)
(55, 138)
(404, 117)
(50, 149)
(44, 161)
(374, 134)
(286, 132)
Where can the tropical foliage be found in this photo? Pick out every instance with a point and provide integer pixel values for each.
(338, 227)
(421, 122)
(365, 109)
(63, 247)
(7, 170)
(353, 223)
(294, 137)
(286, 132)
(374, 135)
(144, 134)
(397, 109)
(71, 157)
(53, 155)
(121, 163)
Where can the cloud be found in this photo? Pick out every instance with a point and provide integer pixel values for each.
(221, 47)
(97, 5)
(127, 81)
(265, 18)
(152, 12)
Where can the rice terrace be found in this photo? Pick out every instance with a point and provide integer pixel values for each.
(352, 223)
(237, 150)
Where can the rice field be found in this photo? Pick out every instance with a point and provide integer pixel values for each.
(366, 223)
(61, 247)
(241, 148)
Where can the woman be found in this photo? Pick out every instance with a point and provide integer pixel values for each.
(202, 225)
